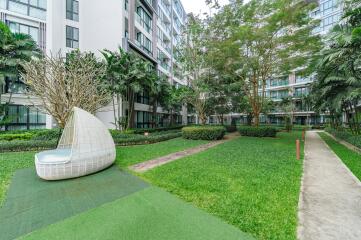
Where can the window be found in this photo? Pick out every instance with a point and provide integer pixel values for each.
(32, 8)
(143, 119)
(25, 117)
(72, 10)
(143, 97)
(144, 19)
(25, 29)
(144, 43)
(72, 37)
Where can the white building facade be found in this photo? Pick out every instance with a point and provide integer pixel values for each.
(151, 28)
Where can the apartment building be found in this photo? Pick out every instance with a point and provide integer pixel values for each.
(150, 28)
(296, 86)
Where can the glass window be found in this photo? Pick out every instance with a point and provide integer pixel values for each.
(25, 29)
(144, 19)
(72, 10)
(33, 8)
(72, 37)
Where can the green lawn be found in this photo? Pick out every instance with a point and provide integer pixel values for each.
(127, 156)
(252, 183)
(351, 158)
(10, 162)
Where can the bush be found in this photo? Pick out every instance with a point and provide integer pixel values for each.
(31, 145)
(258, 131)
(137, 139)
(231, 128)
(160, 129)
(203, 132)
(346, 136)
(45, 135)
(19, 136)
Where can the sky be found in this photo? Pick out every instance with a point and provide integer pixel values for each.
(198, 6)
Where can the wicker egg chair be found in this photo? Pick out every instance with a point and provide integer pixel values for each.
(85, 147)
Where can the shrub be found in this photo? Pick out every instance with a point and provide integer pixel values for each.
(160, 129)
(19, 136)
(203, 132)
(31, 145)
(137, 139)
(231, 128)
(258, 131)
(346, 136)
(49, 134)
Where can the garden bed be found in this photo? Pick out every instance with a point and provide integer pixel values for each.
(35, 140)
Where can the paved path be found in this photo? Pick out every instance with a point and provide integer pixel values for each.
(330, 201)
(145, 166)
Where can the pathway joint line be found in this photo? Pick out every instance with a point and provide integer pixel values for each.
(150, 164)
(330, 198)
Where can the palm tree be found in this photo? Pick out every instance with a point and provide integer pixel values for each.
(338, 88)
(159, 94)
(127, 75)
(15, 49)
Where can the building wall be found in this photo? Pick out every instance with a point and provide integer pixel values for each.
(101, 25)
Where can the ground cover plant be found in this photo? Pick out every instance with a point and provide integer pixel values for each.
(351, 158)
(252, 183)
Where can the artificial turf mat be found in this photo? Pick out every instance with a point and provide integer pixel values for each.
(149, 214)
(33, 203)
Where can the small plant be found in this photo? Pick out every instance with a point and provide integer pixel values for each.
(204, 132)
(258, 131)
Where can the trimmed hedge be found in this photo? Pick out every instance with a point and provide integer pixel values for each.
(35, 140)
(137, 139)
(346, 136)
(19, 136)
(204, 132)
(258, 131)
(152, 130)
(231, 128)
(31, 145)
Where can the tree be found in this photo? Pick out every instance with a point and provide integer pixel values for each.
(338, 85)
(15, 49)
(288, 107)
(192, 56)
(272, 37)
(63, 84)
(160, 91)
(127, 75)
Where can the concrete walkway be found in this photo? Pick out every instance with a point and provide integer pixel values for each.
(145, 166)
(330, 200)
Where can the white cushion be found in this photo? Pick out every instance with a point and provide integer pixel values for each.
(54, 156)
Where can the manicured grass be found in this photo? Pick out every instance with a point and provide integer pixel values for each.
(127, 156)
(9, 163)
(252, 183)
(351, 158)
(147, 214)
